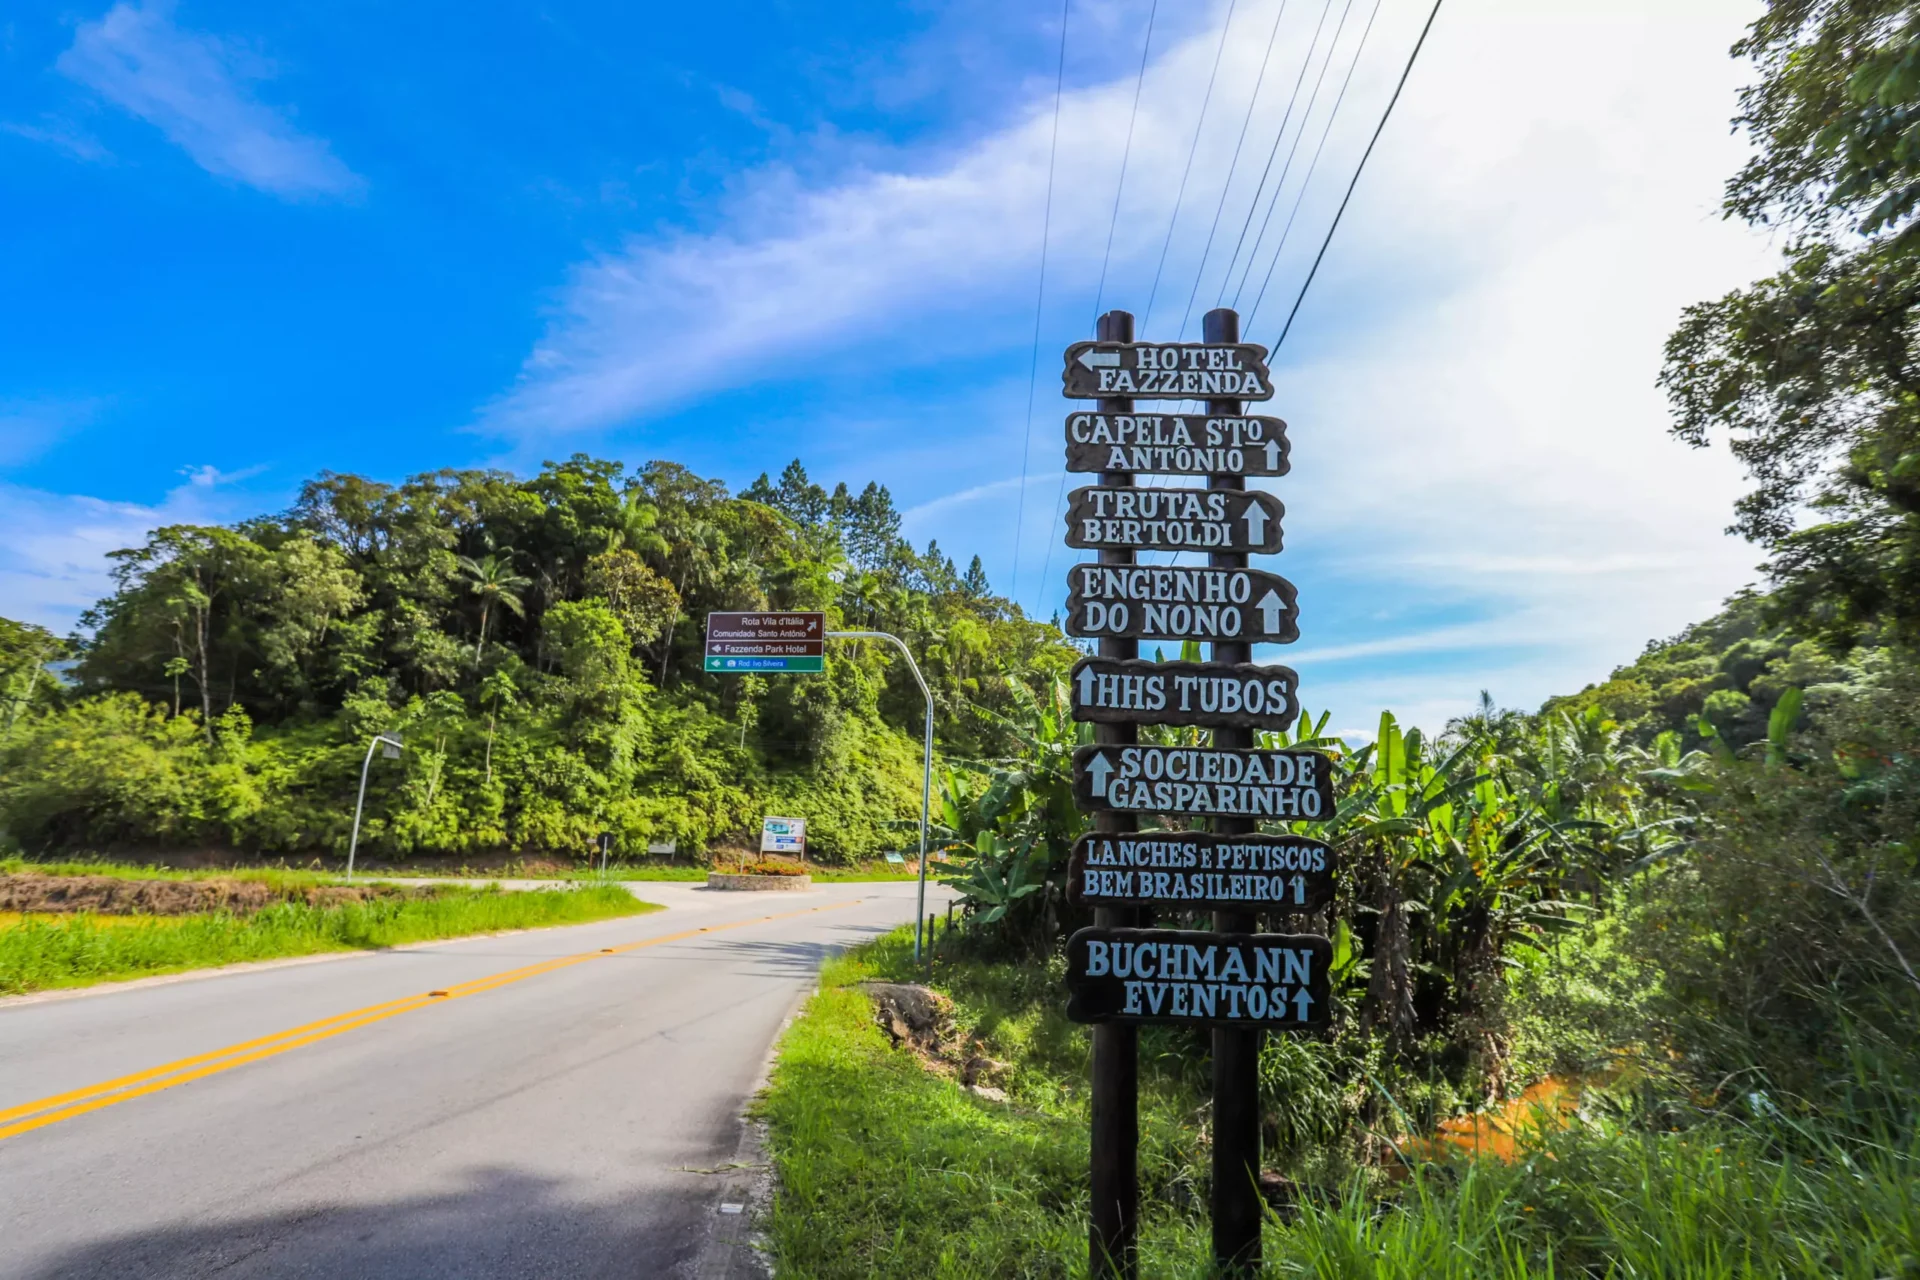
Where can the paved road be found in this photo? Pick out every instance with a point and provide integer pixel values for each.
(551, 1124)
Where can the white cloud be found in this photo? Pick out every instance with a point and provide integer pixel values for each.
(193, 87)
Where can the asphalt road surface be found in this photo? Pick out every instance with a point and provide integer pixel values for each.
(555, 1109)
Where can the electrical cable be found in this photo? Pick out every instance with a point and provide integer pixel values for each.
(1357, 171)
(1279, 137)
(1126, 154)
(1033, 369)
(1146, 318)
(1305, 182)
(1293, 152)
(1232, 166)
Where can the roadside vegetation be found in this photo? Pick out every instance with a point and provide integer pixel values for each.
(298, 915)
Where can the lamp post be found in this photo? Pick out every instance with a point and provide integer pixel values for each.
(926, 775)
(390, 745)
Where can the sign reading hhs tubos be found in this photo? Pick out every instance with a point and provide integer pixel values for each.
(1270, 980)
(1167, 371)
(1246, 784)
(1130, 690)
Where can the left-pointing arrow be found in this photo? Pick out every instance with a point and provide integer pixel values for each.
(1100, 359)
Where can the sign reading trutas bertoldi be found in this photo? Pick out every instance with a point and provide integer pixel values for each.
(1167, 371)
(1175, 602)
(1131, 690)
(1242, 784)
(1194, 869)
(767, 641)
(1273, 980)
(1176, 444)
(1139, 519)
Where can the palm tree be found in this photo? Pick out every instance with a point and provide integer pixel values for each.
(492, 579)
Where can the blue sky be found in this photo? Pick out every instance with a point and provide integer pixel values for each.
(246, 244)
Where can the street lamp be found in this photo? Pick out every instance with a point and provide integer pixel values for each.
(390, 745)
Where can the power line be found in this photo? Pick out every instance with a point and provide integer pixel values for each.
(1293, 153)
(1126, 154)
(1305, 182)
(1033, 369)
(1146, 318)
(1292, 101)
(1232, 166)
(1357, 171)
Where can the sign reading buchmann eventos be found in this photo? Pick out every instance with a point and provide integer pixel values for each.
(1173, 975)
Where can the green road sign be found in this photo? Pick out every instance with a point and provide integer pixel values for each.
(742, 665)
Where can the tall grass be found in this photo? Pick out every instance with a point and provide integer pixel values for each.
(39, 953)
(888, 1170)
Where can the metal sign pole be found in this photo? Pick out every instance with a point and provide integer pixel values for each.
(1115, 1103)
(926, 774)
(353, 843)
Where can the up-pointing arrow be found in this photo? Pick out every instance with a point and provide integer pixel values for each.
(1270, 609)
(1273, 455)
(1098, 769)
(1086, 686)
(1301, 1003)
(1256, 518)
(1100, 359)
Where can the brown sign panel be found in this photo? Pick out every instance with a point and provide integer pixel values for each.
(1167, 371)
(1135, 691)
(1176, 444)
(1276, 981)
(766, 641)
(1195, 869)
(1175, 602)
(1142, 519)
(1283, 785)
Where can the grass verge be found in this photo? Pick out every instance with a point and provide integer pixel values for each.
(41, 952)
(887, 1170)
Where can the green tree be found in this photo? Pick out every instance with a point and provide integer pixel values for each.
(493, 580)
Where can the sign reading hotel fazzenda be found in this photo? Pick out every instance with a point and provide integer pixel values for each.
(1277, 981)
(1167, 371)
(1245, 784)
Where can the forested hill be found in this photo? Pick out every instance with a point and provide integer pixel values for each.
(538, 643)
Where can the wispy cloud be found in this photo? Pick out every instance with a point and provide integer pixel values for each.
(53, 546)
(194, 88)
(56, 133)
(208, 476)
(28, 426)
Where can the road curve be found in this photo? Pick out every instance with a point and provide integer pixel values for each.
(567, 1108)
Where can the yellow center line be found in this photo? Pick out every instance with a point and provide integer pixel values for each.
(78, 1102)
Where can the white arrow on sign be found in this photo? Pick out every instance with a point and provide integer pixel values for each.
(1256, 521)
(1273, 455)
(1301, 1003)
(1098, 769)
(1100, 359)
(1270, 609)
(1086, 686)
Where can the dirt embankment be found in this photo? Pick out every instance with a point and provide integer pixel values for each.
(111, 895)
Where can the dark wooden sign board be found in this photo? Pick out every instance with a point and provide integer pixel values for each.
(1153, 519)
(1237, 694)
(1279, 785)
(1176, 444)
(1191, 869)
(766, 641)
(1167, 371)
(1275, 981)
(1178, 602)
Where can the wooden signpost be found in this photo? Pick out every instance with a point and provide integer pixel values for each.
(1176, 444)
(1174, 519)
(1235, 980)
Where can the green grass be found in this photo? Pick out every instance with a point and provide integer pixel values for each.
(887, 1170)
(40, 953)
(279, 878)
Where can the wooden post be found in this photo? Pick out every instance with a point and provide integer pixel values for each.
(1237, 1208)
(1116, 1047)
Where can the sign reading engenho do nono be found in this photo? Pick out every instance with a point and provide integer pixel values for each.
(1197, 869)
(1198, 780)
(1272, 980)
(1177, 602)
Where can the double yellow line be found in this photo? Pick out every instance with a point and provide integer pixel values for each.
(65, 1106)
